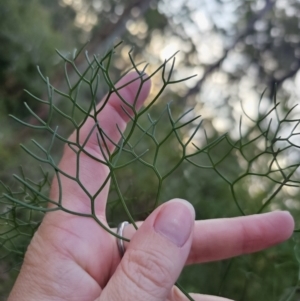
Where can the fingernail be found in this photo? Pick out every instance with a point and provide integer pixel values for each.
(175, 221)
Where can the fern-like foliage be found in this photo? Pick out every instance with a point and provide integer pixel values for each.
(267, 152)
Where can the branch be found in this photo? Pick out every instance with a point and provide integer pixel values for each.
(248, 30)
(275, 82)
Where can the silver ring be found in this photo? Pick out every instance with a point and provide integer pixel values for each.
(120, 242)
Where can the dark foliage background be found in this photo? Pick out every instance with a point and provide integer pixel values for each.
(238, 48)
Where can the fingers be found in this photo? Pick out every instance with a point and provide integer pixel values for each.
(155, 256)
(113, 117)
(177, 295)
(90, 175)
(199, 297)
(224, 238)
(218, 239)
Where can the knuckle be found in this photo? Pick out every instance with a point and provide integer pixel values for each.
(251, 236)
(148, 270)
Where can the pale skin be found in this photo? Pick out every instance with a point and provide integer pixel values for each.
(72, 258)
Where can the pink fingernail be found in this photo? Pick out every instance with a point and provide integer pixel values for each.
(175, 221)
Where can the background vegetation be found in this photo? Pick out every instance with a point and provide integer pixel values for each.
(238, 49)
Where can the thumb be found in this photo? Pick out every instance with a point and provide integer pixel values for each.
(155, 256)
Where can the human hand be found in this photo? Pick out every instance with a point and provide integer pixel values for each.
(72, 258)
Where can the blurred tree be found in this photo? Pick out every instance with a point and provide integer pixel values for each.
(238, 48)
(26, 40)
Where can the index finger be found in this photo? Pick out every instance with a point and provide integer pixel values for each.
(223, 238)
(88, 173)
